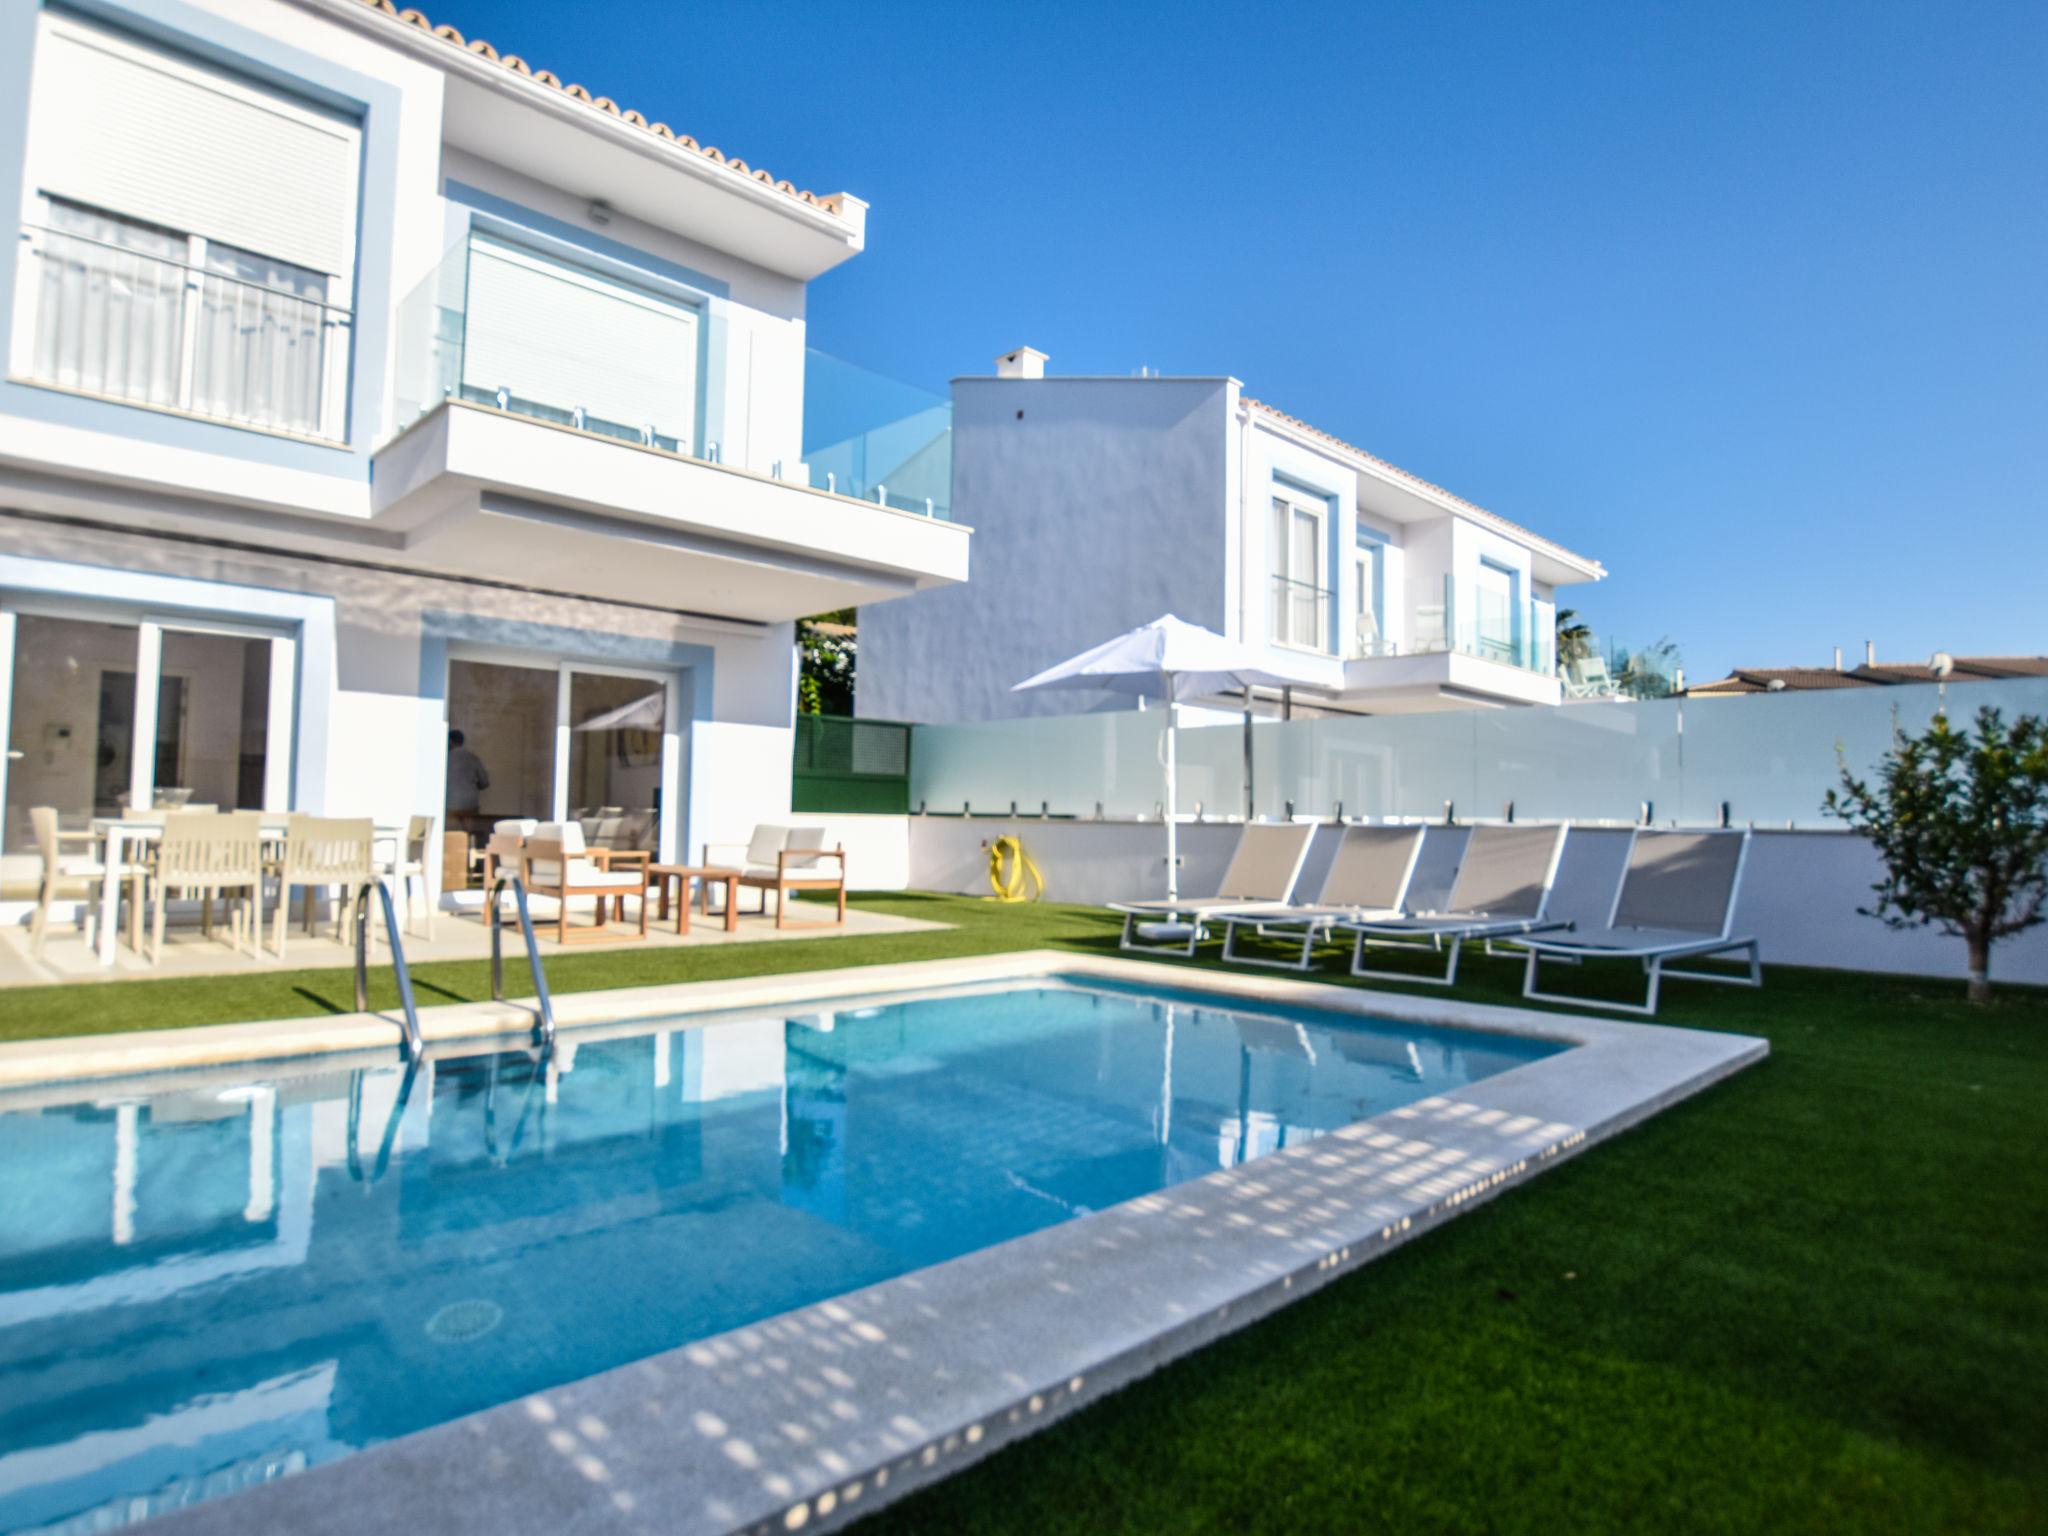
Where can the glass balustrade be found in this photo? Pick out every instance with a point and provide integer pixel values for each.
(501, 326)
(126, 311)
(877, 438)
(1475, 620)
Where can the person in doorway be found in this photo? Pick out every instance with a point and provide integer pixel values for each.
(467, 781)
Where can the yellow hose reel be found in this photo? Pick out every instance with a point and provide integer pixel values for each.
(1009, 883)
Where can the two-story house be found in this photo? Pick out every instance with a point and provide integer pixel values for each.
(364, 385)
(1100, 503)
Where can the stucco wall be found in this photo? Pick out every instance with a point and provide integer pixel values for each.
(1098, 508)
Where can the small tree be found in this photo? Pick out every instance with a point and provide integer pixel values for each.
(1960, 819)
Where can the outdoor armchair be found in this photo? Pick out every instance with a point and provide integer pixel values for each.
(788, 859)
(554, 862)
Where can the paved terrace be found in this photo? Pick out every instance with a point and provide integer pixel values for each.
(457, 936)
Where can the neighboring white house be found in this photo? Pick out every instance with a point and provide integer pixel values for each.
(363, 384)
(1100, 503)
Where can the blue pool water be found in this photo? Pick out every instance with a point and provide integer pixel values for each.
(205, 1283)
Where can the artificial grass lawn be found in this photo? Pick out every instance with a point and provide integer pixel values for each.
(1810, 1299)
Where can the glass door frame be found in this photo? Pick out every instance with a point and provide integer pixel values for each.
(151, 625)
(669, 829)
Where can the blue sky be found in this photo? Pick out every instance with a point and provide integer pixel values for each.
(1750, 303)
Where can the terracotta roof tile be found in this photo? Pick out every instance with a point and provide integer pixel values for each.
(1401, 474)
(1969, 669)
(831, 203)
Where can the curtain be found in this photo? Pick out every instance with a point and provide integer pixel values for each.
(260, 351)
(111, 312)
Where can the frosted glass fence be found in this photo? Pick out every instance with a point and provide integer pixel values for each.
(1770, 757)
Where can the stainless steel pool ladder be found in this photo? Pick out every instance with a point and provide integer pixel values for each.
(415, 1047)
(544, 1025)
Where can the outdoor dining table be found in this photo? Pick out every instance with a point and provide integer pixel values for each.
(116, 835)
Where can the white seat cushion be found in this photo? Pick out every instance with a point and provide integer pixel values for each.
(766, 846)
(568, 833)
(585, 874)
(518, 826)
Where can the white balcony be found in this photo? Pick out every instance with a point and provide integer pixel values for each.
(494, 493)
(1441, 679)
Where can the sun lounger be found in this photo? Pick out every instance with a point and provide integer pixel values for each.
(1501, 892)
(1676, 901)
(1260, 877)
(1368, 878)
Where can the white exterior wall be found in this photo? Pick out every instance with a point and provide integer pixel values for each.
(1099, 508)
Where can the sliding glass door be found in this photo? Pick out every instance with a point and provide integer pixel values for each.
(109, 710)
(560, 741)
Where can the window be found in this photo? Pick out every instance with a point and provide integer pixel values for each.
(1299, 605)
(1495, 621)
(559, 336)
(559, 741)
(210, 724)
(1369, 637)
(193, 236)
(137, 312)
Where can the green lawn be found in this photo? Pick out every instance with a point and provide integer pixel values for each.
(1812, 1299)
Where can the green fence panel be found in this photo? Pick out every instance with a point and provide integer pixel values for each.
(860, 766)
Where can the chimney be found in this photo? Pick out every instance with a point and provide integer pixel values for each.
(1838, 658)
(1024, 363)
(1870, 653)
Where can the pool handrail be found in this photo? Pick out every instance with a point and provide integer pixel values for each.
(544, 1026)
(415, 1046)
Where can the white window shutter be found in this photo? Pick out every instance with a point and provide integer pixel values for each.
(569, 338)
(154, 136)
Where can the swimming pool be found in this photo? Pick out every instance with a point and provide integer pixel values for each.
(205, 1284)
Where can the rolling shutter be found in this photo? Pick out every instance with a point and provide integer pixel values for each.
(561, 336)
(135, 131)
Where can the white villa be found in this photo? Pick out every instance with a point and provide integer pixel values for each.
(363, 384)
(1100, 503)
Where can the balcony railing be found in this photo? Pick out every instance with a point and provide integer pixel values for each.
(1474, 621)
(877, 438)
(894, 443)
(1299, 614)
(135, 326)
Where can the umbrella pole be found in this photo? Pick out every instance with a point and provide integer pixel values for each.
(1172, 800)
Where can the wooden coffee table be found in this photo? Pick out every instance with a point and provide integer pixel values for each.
(680, 875)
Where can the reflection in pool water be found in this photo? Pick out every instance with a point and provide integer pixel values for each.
(205, 1285)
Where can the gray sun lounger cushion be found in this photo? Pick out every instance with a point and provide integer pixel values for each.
(1506, 871)
(1262, 869)
(1680, 880)
(1367, 878)
(1676, 902)
(1260, 876)
(1501, 892)
(1503, 881)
